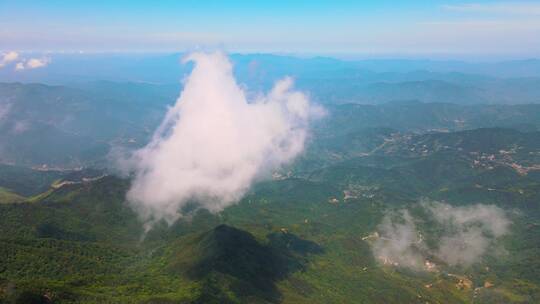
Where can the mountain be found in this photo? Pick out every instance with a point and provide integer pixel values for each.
(329, 80)
(25, 181)
(394, 201)
(421, 117)
(426, 91)
(166, 68)
(68, 127)
(229, 259)
(304, 237)
(59, 126)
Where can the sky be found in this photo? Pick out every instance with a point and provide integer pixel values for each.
(434, 27)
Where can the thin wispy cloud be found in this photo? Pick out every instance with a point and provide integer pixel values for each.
(481, 35)
(4, 111)
(467, 234)
(504, 8)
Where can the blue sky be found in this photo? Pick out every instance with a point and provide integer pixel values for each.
(377, 28)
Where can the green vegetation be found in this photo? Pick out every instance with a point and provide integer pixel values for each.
(297, 239)
(7, 197)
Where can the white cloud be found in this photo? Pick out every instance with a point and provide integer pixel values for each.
(504, 8)
(467, 233)
(35, 63)
(32, 63)
(400, 242)
(213, 143)
(20, 127)
(469, 230)
(19, 66)
(8, 57)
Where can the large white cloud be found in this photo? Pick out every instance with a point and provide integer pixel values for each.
(213, 143)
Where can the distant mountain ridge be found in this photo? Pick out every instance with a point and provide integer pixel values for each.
(78, 126)
(329, 80)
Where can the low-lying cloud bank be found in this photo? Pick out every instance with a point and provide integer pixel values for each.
(22, 63)
(32, 63)
(214, 143)
(466, 234)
